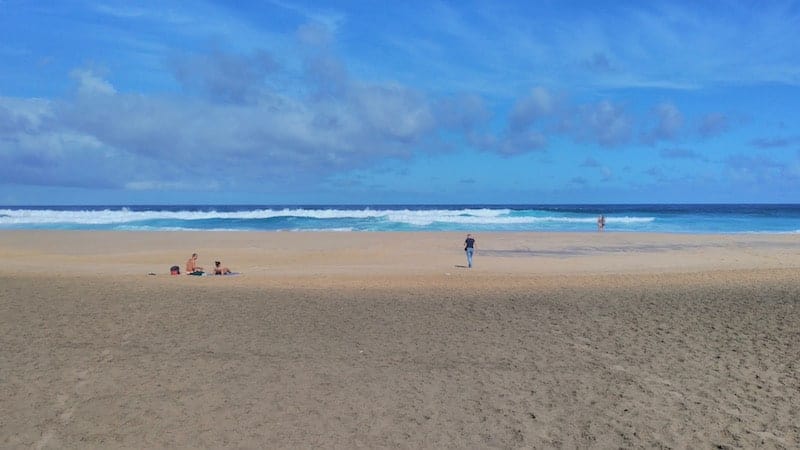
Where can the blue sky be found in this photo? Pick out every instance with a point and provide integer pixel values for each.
(284, 102)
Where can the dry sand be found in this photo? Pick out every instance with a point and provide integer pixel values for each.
(374, 340)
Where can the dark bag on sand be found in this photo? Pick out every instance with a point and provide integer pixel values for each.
(174, 270)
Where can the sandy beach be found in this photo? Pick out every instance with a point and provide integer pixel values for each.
(376, 340)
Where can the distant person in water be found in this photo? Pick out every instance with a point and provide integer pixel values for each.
(219, 269)
(469, 247)
(192, 267)
(601, 223)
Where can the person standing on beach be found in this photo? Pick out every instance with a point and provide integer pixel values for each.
(601, 223)
(469, 247)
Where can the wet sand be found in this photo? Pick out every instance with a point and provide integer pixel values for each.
(365, 340)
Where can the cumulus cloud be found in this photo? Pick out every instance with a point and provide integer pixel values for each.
(393, 111)
(604, 123)
(225, 77)
(528, 124)
(539, 104)
(35, 149)
(668, 122)
(541, 113)
(89, 83)
(227, 125)
(243, 119)
(52, 158)
(462, 112)
(18, 115)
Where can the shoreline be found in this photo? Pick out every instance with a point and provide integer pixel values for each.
(677, 218)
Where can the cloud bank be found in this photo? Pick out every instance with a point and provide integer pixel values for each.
(293, 112)
(237, 123)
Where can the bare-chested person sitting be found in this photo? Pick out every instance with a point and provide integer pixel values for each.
(191, 265)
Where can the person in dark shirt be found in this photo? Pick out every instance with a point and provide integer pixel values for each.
(469, 247)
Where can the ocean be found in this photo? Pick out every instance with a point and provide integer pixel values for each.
(662, 218)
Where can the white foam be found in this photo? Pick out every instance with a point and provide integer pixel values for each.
(630, 219)
(129, 219)
(125, 215)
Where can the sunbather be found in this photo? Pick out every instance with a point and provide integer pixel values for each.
(191, 266)
(219, 269)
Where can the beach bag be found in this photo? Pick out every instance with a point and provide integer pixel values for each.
(174, 270)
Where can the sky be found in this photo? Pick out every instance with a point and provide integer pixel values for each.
(409, 102)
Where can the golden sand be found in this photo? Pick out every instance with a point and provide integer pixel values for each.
(372, 340)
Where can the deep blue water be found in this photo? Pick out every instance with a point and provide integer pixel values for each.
(680, 218)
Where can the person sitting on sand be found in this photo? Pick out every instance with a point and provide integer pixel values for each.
(219, 269)
(191, 266)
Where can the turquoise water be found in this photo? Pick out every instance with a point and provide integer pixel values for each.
(619, 218)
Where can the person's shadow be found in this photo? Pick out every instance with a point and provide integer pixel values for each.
(460, 266)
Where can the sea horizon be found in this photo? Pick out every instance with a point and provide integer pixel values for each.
(485, 217)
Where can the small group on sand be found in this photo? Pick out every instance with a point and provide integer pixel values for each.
(193, 269)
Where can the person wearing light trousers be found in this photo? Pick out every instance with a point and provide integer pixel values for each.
(469, 247)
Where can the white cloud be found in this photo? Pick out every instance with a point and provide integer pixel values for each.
(462, 112)
(306, 113)
(330, 19)
(224, 76)
(18, 114)
(540, 103)
(181, 141)
(668, 124)
(90, 84)
(605, 123)
(394, 111)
